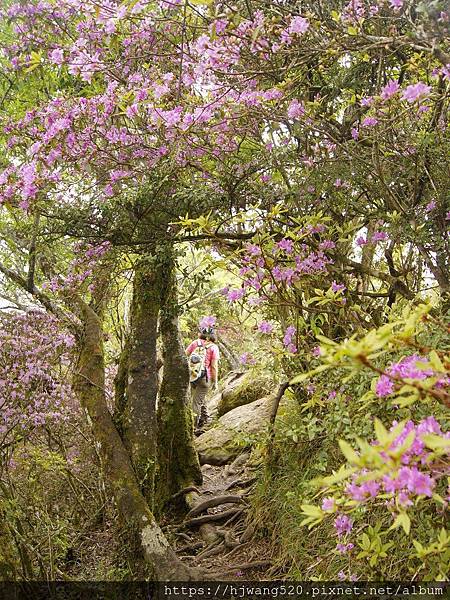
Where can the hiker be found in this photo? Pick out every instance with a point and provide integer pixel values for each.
(203, 356)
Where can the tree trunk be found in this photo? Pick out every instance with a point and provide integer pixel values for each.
(139, 422)
(178, 465)
(120, 389)
(90, 385)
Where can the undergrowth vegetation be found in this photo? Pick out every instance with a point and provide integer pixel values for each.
(306, 493)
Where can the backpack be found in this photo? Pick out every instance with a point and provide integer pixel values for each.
(197, 359)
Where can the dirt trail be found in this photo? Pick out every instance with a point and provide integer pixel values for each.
(217, 535)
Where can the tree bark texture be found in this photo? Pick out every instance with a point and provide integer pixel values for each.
(178, 465)
(120, 389)
(139, 423)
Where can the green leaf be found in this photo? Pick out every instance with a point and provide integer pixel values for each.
(326, 340)
(403, 401)
(435, 442)
(305, 376)
(335, 16)
(380, 431)
(443, 536)
(365, 542)
(435, 362)
(402, 520)
(312, 510)
(315, 515)
(343, 473)
(349, 453)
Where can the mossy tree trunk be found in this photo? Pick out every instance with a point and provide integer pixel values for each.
(120, 388)
(139, 423)
(178, 464)
(89, 383)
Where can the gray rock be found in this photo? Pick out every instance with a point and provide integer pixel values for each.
(242, 389)
(233, 431)
(213, 399)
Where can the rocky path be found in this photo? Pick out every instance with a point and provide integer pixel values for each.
(218, 533)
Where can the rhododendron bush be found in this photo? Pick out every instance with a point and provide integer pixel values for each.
(35, 358)
(396, 446)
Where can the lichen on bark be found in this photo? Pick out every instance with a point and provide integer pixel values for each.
(139, 424)
(178, 464)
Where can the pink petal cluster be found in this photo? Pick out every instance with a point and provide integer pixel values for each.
(416, 91)
(33, 353)
(410, 367)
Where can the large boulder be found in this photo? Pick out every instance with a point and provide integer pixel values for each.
(243, 389)
(213, 399)
(233, 431)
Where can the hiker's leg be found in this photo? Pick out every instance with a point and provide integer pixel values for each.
(202, 387)
(196, 406)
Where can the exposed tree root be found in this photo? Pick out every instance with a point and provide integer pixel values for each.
(240, 483)
(184, 491)
(234, 517)
(193, 546)
(214, 551)
(248, 533)
(217, 501)
(242, 567)
(208, 518)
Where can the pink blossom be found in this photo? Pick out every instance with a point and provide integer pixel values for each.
(384, 386)
(246, 359)
(253, 250)
(343, 525)
(415, 92)
(379, 236)
(288, 335)
(328, 504)
(390, 89)
(208, 321)
(265, 327)
(299, 25)
(287, 245)
(369, 122)
(404, 499)
(295, 110)
(57, 56)
(343, 548)
(327, 245)
(420, 483)
(235, 294)
(337, 287)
